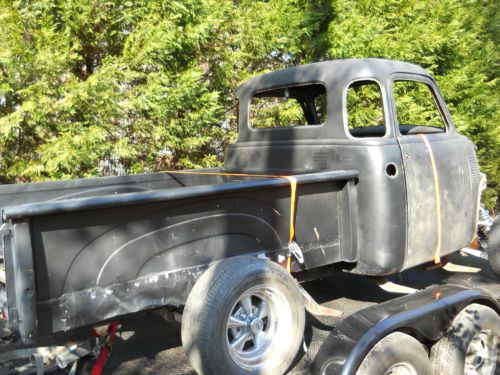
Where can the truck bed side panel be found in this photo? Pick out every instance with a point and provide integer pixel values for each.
(96, 264)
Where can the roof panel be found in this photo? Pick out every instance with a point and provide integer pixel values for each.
(329, 71)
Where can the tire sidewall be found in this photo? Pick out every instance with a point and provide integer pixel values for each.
(257, 272)
(395, 348)
(470, 322)
(449, 353)
(493, 249)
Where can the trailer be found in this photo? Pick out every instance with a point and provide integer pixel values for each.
(443, 329)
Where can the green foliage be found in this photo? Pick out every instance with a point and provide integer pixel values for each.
(276, 112)
(415, 104)
(364, 106)
(93, 87)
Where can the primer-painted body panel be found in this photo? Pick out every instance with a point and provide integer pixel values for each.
(90, 259)
(457, 197)
(379, 240)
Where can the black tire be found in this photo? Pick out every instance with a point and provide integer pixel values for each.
(85, 365)
(396, 351)
(224, 290)
(494, 246)
(450, 354)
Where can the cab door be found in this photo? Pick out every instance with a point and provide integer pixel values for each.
(437, 174)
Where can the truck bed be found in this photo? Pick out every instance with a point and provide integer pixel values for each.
(83, 251)
(19, 194)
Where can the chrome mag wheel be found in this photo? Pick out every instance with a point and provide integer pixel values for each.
(257, 323)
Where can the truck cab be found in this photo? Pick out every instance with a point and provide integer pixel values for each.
(389, 121)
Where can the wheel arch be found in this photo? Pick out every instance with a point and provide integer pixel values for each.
(211, 238)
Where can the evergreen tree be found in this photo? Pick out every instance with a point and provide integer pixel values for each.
(93, 87)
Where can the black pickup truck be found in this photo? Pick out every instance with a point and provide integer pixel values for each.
(354, 164)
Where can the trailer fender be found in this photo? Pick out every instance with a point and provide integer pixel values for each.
(425, 315)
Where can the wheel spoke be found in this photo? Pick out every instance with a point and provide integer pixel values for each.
(254, 327)
(263, 310)
(246, 303)
(240, 341)
(258, 339)
(235, 322)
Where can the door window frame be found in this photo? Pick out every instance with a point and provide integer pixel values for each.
(438, 100)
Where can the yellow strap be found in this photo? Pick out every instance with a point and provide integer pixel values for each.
(291, 180)
(289, 264)
(293, 194)
(437, 258)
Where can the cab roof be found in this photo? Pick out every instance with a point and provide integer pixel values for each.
(329, 72)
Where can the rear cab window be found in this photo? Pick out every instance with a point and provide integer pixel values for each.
(417, 109)
(291, 106)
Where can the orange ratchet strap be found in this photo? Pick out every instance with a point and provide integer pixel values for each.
(437, 258)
